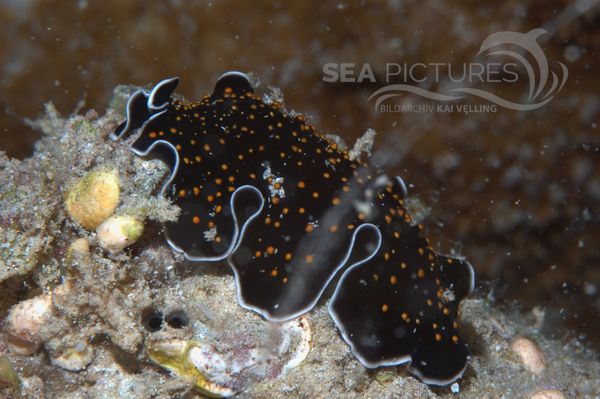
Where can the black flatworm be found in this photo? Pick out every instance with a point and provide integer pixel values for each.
(289, 210)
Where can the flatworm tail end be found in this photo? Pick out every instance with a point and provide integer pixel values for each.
(401, 305)
(434, 361)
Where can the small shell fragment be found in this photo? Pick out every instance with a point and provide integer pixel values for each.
(24, 323)
(79, 250)
(93, 198)
(299, 328)
(455, 388)
(530, 354)
(175, 356)
(80, 246)
(219, 374)
(75, 359)
(118, 232)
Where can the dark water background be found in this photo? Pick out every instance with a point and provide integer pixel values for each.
(515, 192)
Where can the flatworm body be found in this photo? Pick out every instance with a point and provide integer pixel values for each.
(289, 210)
